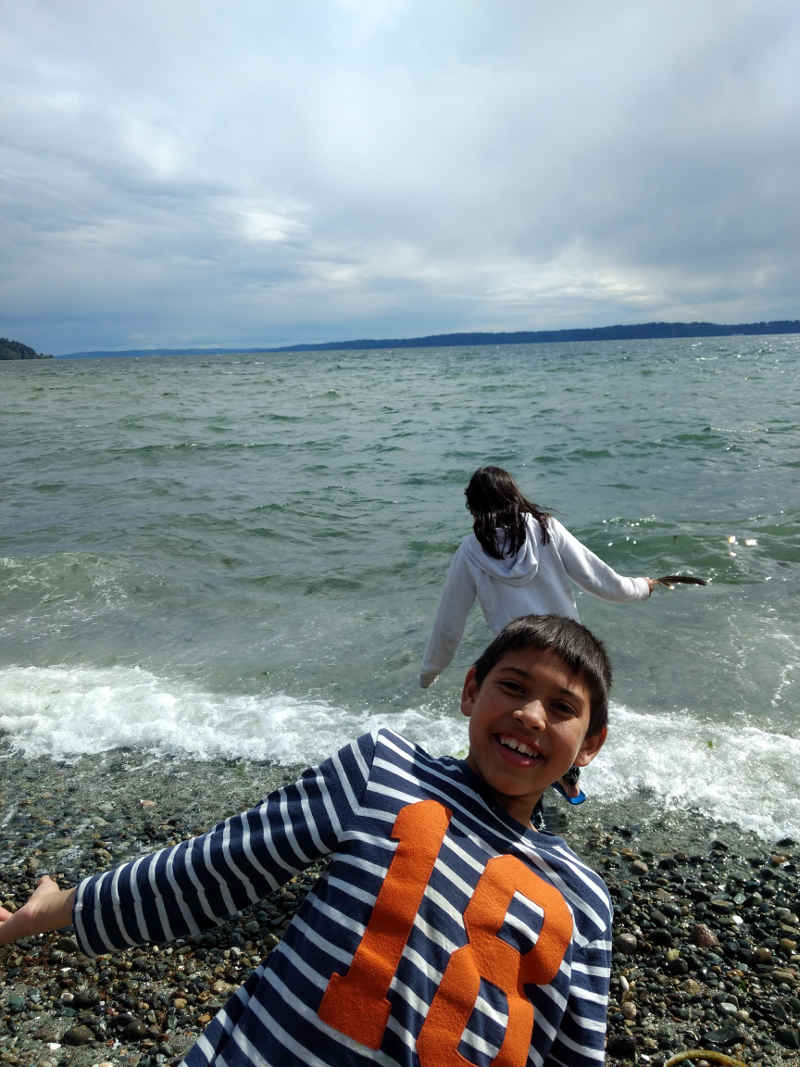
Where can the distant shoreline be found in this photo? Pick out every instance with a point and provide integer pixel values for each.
(642, 331)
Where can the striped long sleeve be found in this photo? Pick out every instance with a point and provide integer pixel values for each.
(190, 887)
(442, 928)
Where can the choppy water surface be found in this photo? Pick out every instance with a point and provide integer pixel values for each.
(242, 555)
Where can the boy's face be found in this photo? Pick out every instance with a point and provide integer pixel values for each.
(528, 723)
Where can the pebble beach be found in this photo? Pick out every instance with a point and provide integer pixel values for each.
(707, 934)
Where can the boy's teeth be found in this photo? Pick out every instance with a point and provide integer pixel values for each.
(518, 746)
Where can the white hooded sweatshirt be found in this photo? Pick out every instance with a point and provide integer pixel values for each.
(533, 582)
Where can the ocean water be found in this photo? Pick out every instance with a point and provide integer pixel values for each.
(241, 556)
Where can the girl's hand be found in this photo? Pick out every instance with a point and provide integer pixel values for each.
(47, 908)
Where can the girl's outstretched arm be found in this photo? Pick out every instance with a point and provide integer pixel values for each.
(47, 908)
(592, 573)
(457, 598)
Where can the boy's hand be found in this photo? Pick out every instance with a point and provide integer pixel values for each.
(47, 908)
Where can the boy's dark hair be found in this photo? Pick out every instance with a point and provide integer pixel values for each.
(570, 641)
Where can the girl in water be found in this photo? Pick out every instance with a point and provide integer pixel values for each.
(518, 560)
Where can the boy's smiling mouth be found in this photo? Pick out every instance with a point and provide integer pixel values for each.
(516, 750)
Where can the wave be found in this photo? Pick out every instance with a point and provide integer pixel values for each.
(651, 762)
(63, 712)
(65, 585)
(731, 773)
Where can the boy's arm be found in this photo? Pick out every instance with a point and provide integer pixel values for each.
(47, 908)
(190, 887)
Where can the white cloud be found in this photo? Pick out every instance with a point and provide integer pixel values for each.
(258, 174)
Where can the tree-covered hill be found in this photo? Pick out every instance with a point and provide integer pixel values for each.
(647, 330)
(17, 350)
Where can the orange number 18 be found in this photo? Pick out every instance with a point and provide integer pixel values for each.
(357, 1004)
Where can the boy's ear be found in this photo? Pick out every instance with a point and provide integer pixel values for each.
(592, 744)
(469, 693)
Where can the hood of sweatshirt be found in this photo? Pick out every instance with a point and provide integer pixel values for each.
(514, 570)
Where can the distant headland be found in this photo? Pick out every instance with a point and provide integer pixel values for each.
(642, 331)
(17, 350)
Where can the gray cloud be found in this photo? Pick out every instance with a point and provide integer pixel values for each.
(184, 174)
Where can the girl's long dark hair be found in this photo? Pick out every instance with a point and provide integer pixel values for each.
(496, 503)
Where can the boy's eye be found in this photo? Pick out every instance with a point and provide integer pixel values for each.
(561, 707)
(511, 687)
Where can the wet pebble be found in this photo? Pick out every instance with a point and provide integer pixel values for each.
(78, 1035)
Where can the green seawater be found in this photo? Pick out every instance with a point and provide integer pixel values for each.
(243, 554)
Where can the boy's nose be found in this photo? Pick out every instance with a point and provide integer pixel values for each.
(532, 715)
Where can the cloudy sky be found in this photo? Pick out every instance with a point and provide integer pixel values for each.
(198, 173)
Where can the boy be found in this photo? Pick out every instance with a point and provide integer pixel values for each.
(446, 930)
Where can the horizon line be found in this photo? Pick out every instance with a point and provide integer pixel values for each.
(464, 338)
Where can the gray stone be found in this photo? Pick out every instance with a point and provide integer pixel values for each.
(625, 942)
(788, 1037)
(720, 904)
(78, 1035)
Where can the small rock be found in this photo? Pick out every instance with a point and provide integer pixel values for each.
(622, 1046)
(134, 1030)
(722, 905)
(788, 1036)
(704, 937)
(724, 1036)
(625, 942)
(78, 1035)
(86, 998)
(661, 937)
(67, 944)
(49, 1033)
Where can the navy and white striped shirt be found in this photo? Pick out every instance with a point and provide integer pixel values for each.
(443, 932)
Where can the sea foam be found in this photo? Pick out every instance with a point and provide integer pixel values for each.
(732, 773)
(63, 712)
(674, 760)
